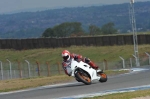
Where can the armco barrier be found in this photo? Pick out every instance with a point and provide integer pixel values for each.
(34, 43)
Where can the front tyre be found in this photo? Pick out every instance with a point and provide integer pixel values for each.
(83, 77)
(103, 77)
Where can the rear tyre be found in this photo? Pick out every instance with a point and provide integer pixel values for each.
(103, 77)
(83, 77)
(77, 79)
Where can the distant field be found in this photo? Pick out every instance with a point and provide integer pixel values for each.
(98, 54)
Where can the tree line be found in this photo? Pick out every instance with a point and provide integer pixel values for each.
(72, 29)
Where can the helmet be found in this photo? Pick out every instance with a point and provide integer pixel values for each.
(66, 55)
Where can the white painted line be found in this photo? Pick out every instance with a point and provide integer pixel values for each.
(135, 69)
(139, 69)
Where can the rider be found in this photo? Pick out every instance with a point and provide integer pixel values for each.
(67, 56)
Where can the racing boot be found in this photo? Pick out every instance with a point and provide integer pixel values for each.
(94, 66)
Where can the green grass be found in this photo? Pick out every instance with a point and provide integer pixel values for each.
(98, 54)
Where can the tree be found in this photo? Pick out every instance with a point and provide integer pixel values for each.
(48, 33)
(109, 28)
(64, 30)
(94, 30)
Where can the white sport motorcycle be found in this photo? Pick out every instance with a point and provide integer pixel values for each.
(84, 73)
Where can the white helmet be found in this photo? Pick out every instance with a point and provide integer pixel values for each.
(66, 55)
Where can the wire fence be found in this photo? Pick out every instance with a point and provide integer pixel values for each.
(14, 70)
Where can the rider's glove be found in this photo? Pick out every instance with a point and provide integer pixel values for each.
(78, 58)
(86, 60)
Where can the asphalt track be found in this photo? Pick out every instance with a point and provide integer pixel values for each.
(137, 78)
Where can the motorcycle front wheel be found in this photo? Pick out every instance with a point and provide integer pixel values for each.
(103, 77)
(83, 77)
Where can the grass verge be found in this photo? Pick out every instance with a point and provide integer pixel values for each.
(97, 54)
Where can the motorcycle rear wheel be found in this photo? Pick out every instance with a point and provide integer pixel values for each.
(83, 77)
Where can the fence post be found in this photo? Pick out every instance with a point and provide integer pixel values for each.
(14, 73)
(59, 68)
(1, 70)
(28, 68)
(136, 60)
(10, 72)
(38, 66)
(48, 68)
(106, 66)
(122, 61)
(131, 62)
(20, 71)
(148, 56)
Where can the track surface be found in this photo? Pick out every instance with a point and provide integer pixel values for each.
(116, 82)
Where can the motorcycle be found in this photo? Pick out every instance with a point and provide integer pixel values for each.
(85, 73)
